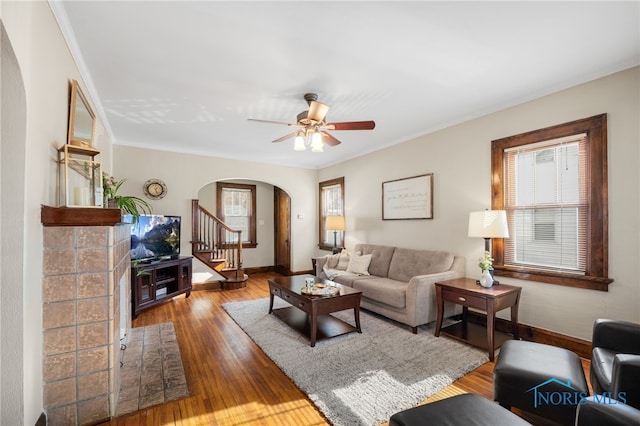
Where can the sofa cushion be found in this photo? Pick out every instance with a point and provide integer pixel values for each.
(359, 264)
(408, 263)
(380, 258)
(347, 278)
(383, 290)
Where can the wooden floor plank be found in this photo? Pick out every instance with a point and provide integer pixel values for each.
(232, 382)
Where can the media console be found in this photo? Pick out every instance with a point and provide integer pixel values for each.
(155, 282)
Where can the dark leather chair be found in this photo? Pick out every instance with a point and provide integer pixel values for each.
(460, 410)
(525, 370)
(606, 412)
(615, 360)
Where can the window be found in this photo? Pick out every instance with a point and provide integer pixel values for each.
(553, 185)
(331, 204)
(236, 208)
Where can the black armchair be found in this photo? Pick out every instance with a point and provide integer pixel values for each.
(592, 412)
(615, 360)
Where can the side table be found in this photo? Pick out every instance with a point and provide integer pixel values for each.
(465, 292)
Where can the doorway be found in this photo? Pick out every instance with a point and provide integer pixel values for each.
(282, 231)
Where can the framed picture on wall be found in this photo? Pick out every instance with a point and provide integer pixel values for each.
(408, 198)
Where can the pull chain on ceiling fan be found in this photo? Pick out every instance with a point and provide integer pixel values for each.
(312, 127)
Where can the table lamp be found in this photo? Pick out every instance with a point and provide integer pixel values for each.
(335, 224)
(488, 224)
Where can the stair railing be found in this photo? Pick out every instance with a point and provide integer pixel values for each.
(213, 237)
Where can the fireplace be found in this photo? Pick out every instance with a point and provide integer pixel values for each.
(85, 308)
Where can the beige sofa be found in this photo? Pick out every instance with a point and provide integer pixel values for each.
(399, 282)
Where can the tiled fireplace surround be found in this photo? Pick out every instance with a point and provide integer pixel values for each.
(84, 269)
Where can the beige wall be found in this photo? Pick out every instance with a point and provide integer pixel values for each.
(187, 176)
(459, 157)
(46, 66)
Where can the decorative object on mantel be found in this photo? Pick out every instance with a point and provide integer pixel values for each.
(129, 204)
(488, 224)
(335, 224)
(79, 172)
(80, 183)
(81, 118)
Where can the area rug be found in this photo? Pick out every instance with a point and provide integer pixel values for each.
(359, 379)
(152, 370)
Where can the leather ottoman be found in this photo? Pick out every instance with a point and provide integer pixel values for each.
(461, 410)
(541, 379)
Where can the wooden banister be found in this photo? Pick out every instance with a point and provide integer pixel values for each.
(215, 243)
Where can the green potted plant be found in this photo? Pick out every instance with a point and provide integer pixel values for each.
(129, 204)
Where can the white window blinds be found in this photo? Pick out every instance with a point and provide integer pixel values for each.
(331, 203)
(547, 204)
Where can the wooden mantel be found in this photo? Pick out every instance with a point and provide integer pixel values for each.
(79, 216)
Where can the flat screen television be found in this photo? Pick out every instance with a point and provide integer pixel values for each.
(155, 237)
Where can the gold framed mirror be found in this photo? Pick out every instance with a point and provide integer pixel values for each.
(81, 118)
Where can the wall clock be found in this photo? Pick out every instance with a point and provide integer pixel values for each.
(155, 189)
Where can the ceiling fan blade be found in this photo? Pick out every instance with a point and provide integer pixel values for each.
(352, 125)
(317, 111)
(272, 122)
(285, 137)
(329, 139)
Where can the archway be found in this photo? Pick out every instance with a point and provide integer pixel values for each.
(13, 119)
(273, 224)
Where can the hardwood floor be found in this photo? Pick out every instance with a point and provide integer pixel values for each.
(231, 381)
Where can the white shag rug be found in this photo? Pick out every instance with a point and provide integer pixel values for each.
(359, 379)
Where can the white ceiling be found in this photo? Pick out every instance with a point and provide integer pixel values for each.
(186, 76)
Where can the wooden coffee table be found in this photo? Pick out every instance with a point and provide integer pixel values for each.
(310, 314)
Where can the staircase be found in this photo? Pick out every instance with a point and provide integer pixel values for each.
(219, 247)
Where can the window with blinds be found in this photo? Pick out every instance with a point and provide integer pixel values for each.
(552, 183)
(236, 208)
(331, 194)
(547, 205)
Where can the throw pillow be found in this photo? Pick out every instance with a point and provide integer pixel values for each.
(332, 260)
(343, 260)
(359, 264)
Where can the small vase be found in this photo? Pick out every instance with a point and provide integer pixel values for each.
(112, 203)
(486, 280)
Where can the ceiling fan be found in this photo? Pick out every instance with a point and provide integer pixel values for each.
(312, 127)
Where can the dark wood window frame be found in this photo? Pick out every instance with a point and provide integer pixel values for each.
(321, 219)
(597, 249)
(253, 241)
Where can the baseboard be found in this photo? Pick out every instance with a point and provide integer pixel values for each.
(258, 270)
(539, 335)
(265, 269)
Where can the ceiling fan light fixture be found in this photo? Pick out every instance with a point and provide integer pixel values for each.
(316, 142)
(312, 126)
(299, 143)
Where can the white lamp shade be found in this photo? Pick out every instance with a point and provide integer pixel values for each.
(316, 142)
(488, 224)
(335, 223)
(299, 144)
